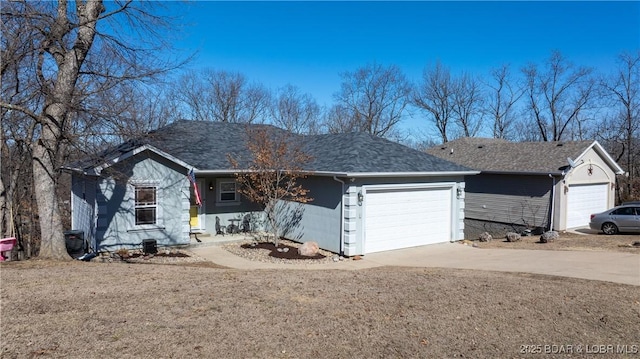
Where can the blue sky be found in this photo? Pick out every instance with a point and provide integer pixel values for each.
(308, 44)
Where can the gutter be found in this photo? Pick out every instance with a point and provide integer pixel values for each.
(393, 174)
(561, 173)
(79, 171)
(352, 174)
(341, 214)
(218, 172)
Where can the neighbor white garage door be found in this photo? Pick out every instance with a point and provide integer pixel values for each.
(584, 200)
(401, 218)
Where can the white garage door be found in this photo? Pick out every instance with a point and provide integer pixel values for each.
(584, 200)
(401, 218)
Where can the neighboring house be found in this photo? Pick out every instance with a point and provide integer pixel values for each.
(369, 194)
(532, 185)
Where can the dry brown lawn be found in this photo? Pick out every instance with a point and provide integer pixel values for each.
(572, 241)
(128, 310)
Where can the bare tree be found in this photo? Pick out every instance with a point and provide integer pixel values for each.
(211, 95)
(295, 111)
(372, 99)
(65, 55)
(557, 95)
(623, 91)
(468, 100)
(134, 111)
(338, 120)
(270, 177)
(434, 96)
(13, 157)
(501, 101)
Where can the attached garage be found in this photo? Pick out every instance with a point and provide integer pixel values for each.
(584, 200)
(407, 216)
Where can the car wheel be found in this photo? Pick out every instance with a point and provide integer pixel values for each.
(609, 228)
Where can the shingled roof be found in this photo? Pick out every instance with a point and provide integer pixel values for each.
(205, 146)
(497, 155)
(364, 153)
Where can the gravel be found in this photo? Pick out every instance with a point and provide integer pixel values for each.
(173, 256)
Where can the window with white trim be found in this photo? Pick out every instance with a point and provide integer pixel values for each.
(146, 205)
(227, 191)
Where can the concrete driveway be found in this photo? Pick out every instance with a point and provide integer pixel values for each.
(615, 267)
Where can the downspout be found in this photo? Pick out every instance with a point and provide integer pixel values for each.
(94, 228)
(553, 201)
(341, 214)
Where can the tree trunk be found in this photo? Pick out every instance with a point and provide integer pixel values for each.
(4, 211)
(47, 149)
(45, 175)
(272, 217)
(4, 208)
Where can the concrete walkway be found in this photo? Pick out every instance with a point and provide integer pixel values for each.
(615, 267)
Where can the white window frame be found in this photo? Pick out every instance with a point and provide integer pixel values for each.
(158, 208)
(219, 192)
(137, 205)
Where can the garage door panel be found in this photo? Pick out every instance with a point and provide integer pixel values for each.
(402, 229)
(406, 218)
(400, 210)
(584, 200)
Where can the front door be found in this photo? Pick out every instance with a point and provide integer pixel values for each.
(196, 212)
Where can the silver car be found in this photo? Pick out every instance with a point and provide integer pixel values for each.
(625, 218)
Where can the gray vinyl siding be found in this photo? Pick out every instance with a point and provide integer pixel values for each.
(83, 201)
(116, 203)
(474, 227)
(511, 199)
(320, 220)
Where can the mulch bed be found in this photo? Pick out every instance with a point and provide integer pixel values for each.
(283, 251)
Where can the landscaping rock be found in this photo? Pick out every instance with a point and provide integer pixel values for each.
(549, 236)
(513, 237)
(308, 249)
(485, 237)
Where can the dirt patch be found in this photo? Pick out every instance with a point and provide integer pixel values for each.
(571, 241)
(97, 310)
